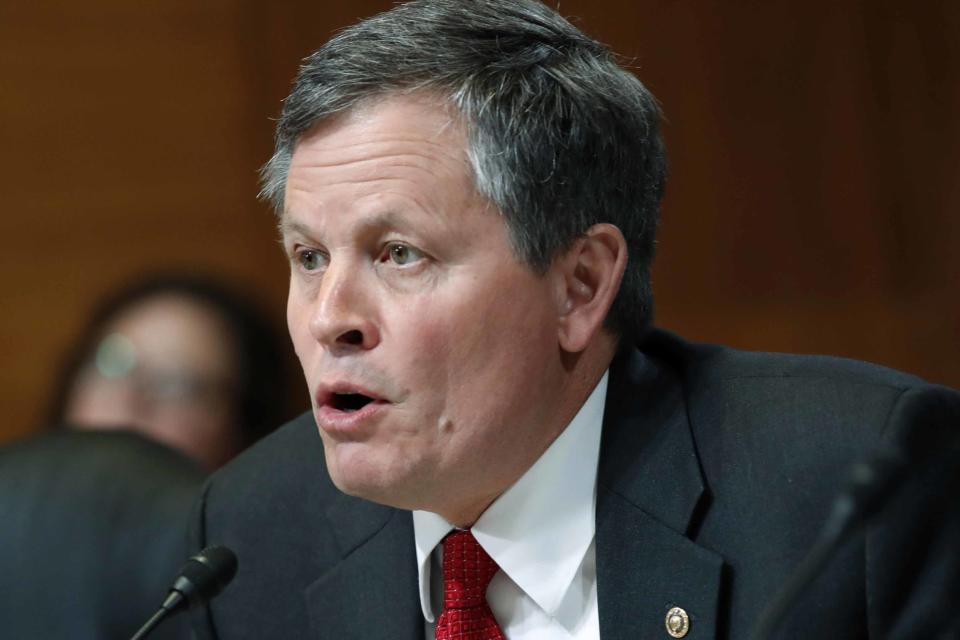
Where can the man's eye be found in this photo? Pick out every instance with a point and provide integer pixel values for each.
(310, 260)
(402, 254)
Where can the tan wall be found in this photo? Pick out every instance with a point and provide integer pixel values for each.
(815, 163)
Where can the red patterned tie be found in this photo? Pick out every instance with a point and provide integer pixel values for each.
(467, 570)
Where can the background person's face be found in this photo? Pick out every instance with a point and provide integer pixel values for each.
(404, 288)
(165, 367)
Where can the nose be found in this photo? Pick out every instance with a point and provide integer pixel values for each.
(343, 317)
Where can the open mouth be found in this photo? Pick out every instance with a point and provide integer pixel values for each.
(349, 402)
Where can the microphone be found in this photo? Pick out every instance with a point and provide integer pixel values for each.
(200, 579)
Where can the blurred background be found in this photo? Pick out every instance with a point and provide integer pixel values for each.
(814, 147)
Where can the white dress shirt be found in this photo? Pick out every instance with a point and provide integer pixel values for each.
(540, 532)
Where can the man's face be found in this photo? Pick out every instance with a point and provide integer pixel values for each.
(430, 350)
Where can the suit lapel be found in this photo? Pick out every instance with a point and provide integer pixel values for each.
(371, 593)
(649, 489)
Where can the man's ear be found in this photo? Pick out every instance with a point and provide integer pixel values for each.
(588, 279)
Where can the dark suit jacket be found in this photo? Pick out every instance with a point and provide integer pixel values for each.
(91, 534)
(717, 469)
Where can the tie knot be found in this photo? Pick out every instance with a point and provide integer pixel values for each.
(467, 571)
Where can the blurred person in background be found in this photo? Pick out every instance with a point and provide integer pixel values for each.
(184, 360)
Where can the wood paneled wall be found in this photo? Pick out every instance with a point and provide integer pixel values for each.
(815, 165)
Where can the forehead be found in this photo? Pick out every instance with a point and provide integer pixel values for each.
(397, 141)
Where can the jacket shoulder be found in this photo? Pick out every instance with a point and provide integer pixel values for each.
(709, 363)
(282, 462)
(267, 505)
(784, 415)
(282, 478)
(808, 402)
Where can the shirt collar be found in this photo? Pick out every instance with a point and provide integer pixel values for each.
(539, 529)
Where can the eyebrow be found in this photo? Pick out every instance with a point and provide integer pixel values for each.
(388, 219)
(286, 226)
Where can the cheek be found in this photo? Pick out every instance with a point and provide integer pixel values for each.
(477, 356)
(492, 330)
(298, 325)
(429, 355)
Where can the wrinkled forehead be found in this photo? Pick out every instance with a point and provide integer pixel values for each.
(397, 136)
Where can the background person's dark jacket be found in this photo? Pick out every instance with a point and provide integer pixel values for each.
(91, 534)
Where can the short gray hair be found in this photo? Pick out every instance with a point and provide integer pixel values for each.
(560, 136)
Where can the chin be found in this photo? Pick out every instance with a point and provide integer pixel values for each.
(357, 474)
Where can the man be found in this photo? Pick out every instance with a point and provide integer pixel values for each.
(468, 193)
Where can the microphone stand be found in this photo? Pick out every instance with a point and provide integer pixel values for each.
(150, 624)
(173, 601)
(868, 487)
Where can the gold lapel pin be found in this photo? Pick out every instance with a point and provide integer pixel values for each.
(677, 622)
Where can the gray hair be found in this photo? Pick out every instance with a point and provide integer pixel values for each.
(560, 137)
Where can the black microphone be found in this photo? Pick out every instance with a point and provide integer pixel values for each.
(200, 579)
